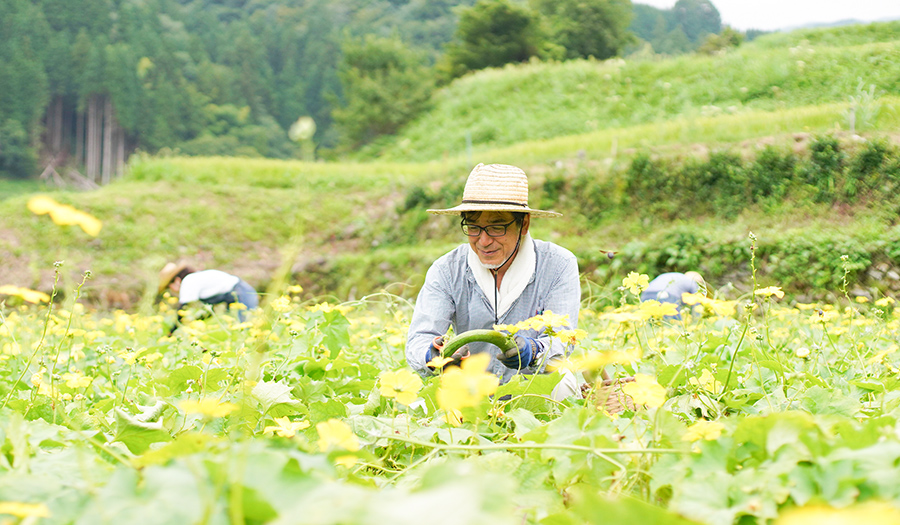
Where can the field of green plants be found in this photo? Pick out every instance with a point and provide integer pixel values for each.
(742, 411)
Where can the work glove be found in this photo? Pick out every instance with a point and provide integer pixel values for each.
(522, 355)
(436, 351)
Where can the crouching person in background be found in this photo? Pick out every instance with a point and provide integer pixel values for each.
(206, 286)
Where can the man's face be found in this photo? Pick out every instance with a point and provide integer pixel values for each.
(492, 251)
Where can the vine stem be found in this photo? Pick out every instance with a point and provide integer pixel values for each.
(40, 344)
(602, 453)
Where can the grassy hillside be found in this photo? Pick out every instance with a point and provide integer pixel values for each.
(814, 73)
(349, 229)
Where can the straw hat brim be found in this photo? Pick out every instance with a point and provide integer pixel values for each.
(169, 271)
(456, 210)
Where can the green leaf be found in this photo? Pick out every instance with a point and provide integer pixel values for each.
(137, 435)
(183, 445)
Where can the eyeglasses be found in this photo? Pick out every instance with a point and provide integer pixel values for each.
(493, 230)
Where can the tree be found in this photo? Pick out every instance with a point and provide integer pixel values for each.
(697, 18)
(492, 33)
(385, 84)
(597, 28)
(715, 43)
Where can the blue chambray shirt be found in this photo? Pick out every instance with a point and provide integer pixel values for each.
(451, 296)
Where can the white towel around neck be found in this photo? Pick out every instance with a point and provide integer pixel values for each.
(514, 281)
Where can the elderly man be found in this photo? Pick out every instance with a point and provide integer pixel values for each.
(502, 276)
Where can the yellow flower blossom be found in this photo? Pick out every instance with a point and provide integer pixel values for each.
(282, 304)
(707, 381)
(770, 291)
(24, 510)
(622, 317)
(545, 321)
(598, 360)
(439, 362)
(208, 407)
(468, 384)
(64, 215)
(77, 380)
(803, 352)
(285, 427)
(326, 308)
(346, 461)
(879, 357)
(885, 301)
(295, 289)
(875, 513)
(335, 434)
(571, 337)
(402, 385)
(31, 296)
(707, 430)
(636, 282)
(644, 390)
(861, 299)
(652, 308)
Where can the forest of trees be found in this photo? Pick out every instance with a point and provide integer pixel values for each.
(83, 83)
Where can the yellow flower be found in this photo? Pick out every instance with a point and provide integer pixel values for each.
(657, 309)
(346, 461)
(37, 378)
(286, 427)
(208, 407)
(770, 291)
(722, 308)
(64, 215)
(282, 304)
(885, 301)
(645, 391)
(598, 360)
(335, 434)
(325, 308)
(874, 513)
(544, 321)
(861, 299)
(295, 289)
(622, 317)
(708, 430)
(31, 296)
(77, 380)
(24, 510)
(508, 328)
(571, 337)
(803, 352)
(877, 358)
(468, 384)
(636, 282)
(403, 385)
(707, 381)
(439, 362)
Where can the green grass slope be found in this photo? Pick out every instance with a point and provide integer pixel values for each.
(813, 72)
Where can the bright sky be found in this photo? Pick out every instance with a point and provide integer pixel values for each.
(781, 14)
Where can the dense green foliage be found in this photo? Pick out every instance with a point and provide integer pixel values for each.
(746, 411)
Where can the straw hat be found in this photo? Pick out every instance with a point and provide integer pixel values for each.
(496, 187)
(169, 271)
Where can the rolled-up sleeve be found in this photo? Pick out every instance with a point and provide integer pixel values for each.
(431, 317)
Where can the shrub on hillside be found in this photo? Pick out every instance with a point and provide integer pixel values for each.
(771, 174)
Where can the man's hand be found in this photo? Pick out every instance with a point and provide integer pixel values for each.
(522, 355)
(435, 354)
